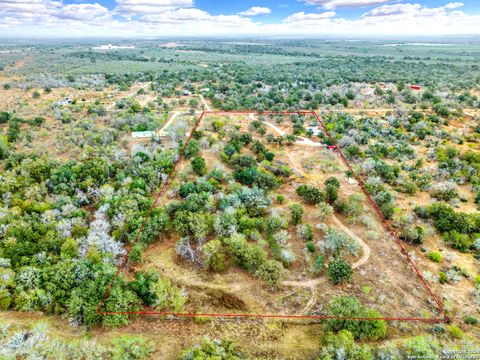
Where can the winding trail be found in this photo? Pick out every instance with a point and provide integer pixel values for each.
(304, 141)
(366, 252)
(311, 284)
(365, 248)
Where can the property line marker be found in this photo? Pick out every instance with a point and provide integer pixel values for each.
(163, 188)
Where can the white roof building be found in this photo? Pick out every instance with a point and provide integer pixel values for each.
(142, 134)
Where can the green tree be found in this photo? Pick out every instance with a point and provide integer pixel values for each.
(339, 271)
(271, 271)
(13, 130)
(4, 149)
(348, 308)
(69, 249)
(310, 194)
(214, 256)
(199, 166)
(192, 149)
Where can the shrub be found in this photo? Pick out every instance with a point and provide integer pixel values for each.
(339, 243)
(324, 210)
(318, 264)
(339, 271)
(421, 348)
(311, 247)
(455, 332)
(352, 208)
(136, 254)
(413, 234)
(38, 120)
(214, 256)
(471, 320)
(331, 189)
(168, 296)
(282, 237)
(246, 255)
(305, 231)
(5, 299)
(212, 349)
(296, 212)
(69, 249)
(350, 307)
(310, 194)
(442, 277)
(128, 347)
(4, 149)
(461, 242)
(155, 224)
(270, 271)
(435, 256)
(13, 131)
(142, 286)
(342, 346)
(286, 256)
(192, 149)
(199, 166)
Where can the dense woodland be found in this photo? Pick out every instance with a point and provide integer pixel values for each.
(70, 208)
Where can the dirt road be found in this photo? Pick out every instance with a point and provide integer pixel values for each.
(162, 132)
(205, 103)
(303, 141)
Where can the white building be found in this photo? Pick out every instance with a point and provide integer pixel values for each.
(315, 130)
(142, 134)
(113, 47)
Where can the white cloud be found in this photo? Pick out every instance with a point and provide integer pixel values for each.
(411, 10)
(256, 10)
(81, 11)
(454, 5)
(135, 7)
(397, 9)
(180, 17)
(29, 6)
(196, 18)
(301, 17)
(336, 4)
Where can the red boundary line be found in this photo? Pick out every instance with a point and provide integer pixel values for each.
(268, 316)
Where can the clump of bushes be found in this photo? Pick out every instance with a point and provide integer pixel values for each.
(350, 307)
(213, 349)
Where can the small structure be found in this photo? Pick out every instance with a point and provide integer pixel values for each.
(142, 134)
(113, 47)
(65, 101)
(314, 130)
(186, 93)
(332, 147)
(416, 87)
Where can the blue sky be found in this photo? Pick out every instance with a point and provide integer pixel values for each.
(248, 17)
